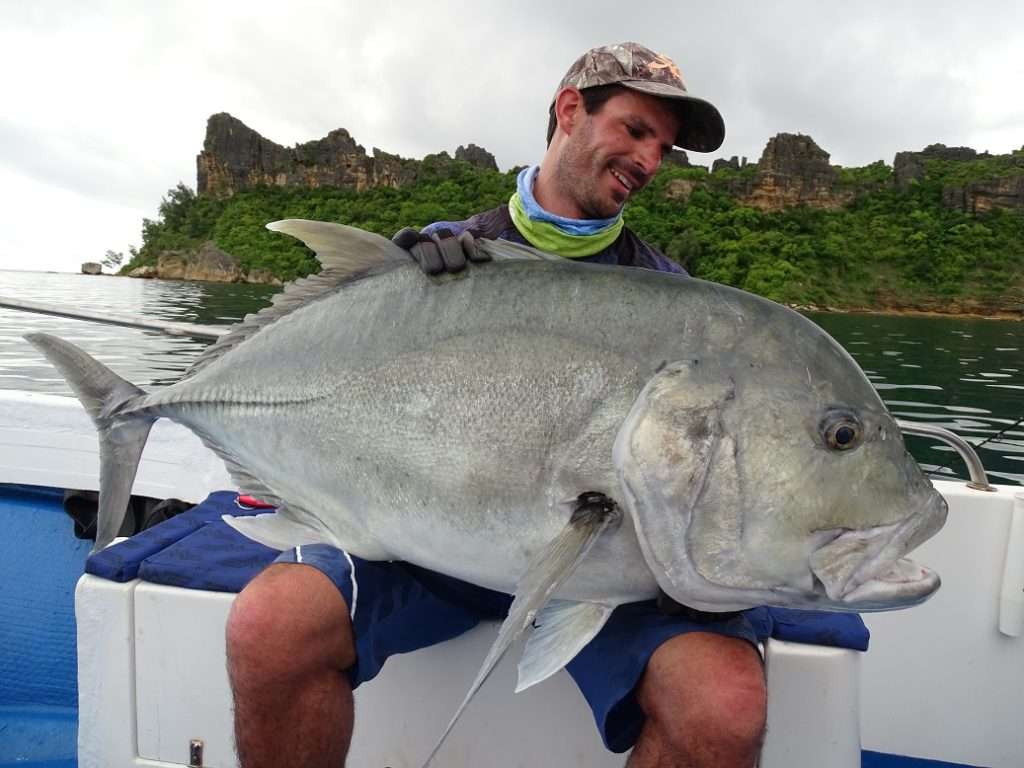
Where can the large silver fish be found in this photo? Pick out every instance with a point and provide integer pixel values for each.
(740, 455)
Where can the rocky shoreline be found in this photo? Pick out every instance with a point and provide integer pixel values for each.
(975, 313)
(208, 263)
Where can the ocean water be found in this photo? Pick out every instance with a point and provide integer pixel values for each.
(146, 358)
(966, 375)
(963, 374)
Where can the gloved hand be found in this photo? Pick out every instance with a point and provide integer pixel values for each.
(440, 252)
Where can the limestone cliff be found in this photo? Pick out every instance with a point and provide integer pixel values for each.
(207, 263)
(235, 156)
(909, 167)
(477, 156)
(1005, 191)
(792, 171)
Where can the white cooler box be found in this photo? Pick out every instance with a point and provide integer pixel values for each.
(153, 691)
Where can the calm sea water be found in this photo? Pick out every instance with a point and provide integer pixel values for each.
(965, 375)
(146, 358)
(962, 374)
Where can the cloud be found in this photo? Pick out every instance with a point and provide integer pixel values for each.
(51, 228)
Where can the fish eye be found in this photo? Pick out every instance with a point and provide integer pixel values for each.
(842, 432)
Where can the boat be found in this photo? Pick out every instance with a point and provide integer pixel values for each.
(100, 673)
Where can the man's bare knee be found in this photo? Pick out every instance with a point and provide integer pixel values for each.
(705, 699)
(289, 640)
(289, 621)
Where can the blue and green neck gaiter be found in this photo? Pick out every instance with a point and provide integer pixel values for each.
(569, 238)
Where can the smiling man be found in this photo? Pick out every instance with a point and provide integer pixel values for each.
(680, 687)
(615, 115)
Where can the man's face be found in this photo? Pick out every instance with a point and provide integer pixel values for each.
(614, 152)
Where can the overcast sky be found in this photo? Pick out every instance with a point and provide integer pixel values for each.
(104, 104)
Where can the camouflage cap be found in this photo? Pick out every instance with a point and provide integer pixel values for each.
(641, 69)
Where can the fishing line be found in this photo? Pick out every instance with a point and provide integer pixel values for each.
(996, 436)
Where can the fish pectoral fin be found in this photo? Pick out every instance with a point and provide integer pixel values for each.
(561, 631)
(593, 514)
(278, 530)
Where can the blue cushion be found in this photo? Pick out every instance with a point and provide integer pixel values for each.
(198, 550)
(195, 549)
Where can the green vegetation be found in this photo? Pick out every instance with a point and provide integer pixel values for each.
(447, 189)
(112, 259)
(889, 248)
(876, 174)
(948, 172)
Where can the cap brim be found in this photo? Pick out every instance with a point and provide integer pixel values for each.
(701, 126)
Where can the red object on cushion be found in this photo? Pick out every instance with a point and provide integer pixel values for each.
(253, 503)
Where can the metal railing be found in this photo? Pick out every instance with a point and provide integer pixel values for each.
(979, 480)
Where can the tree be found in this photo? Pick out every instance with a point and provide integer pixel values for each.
(112, 260)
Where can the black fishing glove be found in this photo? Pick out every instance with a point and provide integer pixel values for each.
(440, 252)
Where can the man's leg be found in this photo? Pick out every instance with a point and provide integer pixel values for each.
(704, 699)
(289, 642)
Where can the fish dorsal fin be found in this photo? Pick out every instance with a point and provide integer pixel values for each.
(342, 251)
(506, 250)
(345, 254)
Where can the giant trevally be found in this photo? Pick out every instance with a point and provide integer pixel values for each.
(579, 435)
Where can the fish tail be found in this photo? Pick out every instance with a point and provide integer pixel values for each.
(104, 395)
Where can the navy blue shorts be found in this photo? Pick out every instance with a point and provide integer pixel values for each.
(398, 607)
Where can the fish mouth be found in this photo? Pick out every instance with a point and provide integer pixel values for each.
(866, 569)
(904, 583)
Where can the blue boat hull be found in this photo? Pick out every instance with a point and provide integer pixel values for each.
(39, 567)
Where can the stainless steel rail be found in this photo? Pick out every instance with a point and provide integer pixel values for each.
(979, 480)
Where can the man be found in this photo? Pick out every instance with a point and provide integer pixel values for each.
(687, 689)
